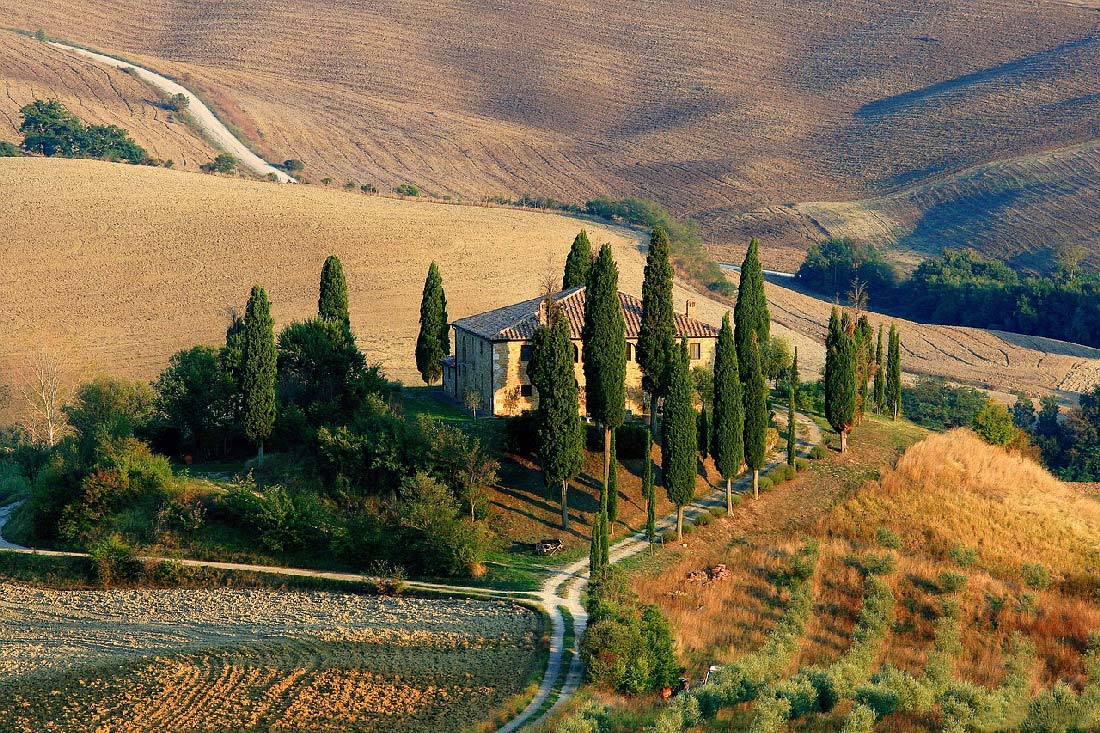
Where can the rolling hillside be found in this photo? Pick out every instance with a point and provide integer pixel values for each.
(716, 111)
(32, 70)
(115, 267)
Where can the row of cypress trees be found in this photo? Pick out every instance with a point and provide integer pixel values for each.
(849, 363)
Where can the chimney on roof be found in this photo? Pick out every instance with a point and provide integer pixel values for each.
(544, 312)
(689, 308)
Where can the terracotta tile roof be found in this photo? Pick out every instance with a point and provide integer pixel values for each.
(518, 322)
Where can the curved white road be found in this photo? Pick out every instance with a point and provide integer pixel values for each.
(562, 590)
(215, 131)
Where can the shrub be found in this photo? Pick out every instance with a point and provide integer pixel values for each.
(669, 537)
(1056, 710)
(963, 556)
(8, 150)
(801, 464)
(860, 720)
(113, 561)
(327, 181)
(520, 434)
(718, 512)
(702, 520)
(406, 189)
(887, 538)
(770, 715)
(632, 440)
(871, 564)
(687, 528)
(818, 452)
(781, 473)
(893, 691)
(223, 163)
(1036, 576)
(293, 165)
(350, 186)
(765, 484)
(951, 582)
(278, 519)
(368, 188)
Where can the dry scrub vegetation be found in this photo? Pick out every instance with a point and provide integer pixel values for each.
(187, 660)
(33, 70)
(716, 110)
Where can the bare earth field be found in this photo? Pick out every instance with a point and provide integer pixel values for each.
(113, 268)
(720, 111)
(192, 660)
(32, 70)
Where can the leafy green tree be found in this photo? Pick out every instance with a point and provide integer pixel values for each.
(195, 399)
(880, 374)
(702, 425)
(756, 417)
(840, 377)
(993, 424)
(433, 342)
(332, 304)
(322, 375)
(680, 446)
(222, 163)
(441, 541)
(578, 262)
(258, 370)
(893, 373)
(8, 150)
(727, 440)
(657, 332)
(108, 409)
(604, 346)
(776, 353)
(560, 433)
(750, 314)
(792, 391)
(1023, 412)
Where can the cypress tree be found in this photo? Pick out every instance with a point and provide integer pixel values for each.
(702, 424)
(657, 332)
(332, 304)
(840, 377)
(756, 417)
(864, 364)
(880, 376)
(750, 314)
(578, 262)
(557, 417)
(258, 370)
(679, 455)
(649, 493)
(605, 543)
(613, 486)
(595, 552)
(792, 389)
(727, 439)
(604, 343)
(893, 374)
(434, 341)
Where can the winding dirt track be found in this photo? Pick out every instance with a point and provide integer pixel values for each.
(212, 128)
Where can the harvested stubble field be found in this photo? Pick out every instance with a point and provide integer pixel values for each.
(193, 660)
(716, 110)
(30, 70)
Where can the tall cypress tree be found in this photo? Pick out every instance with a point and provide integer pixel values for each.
(434, 341)
(864, 333)
(840, 376)
(880, 375)
(756, 416)
(557, 417)
(657, 332)
(604, 343)
(702, 424)
(332, 304)
(649, 494)
(258, 370)
(578, 262)
(893, 374)
(679, 454)
(727, 439)
(750, 315)
(792, 389)
(595, 550)
(613, 486)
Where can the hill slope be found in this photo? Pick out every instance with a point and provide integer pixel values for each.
(714, 110)
(32, 70)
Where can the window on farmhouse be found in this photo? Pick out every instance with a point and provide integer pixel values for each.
(526, 390)
(525, 352)
(696, 351)
(630, 352)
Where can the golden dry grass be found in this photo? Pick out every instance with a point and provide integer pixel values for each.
(715, 110)
(33, 70)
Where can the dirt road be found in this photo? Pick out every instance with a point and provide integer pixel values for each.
(211, 127)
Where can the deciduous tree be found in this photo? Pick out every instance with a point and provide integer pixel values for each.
(727, 444)
(258, 370)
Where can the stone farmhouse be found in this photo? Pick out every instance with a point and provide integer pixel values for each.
(492, 349)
